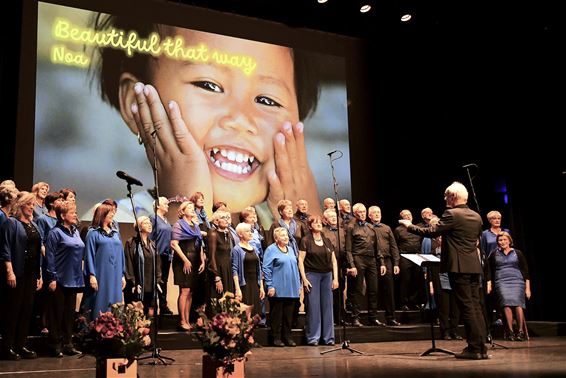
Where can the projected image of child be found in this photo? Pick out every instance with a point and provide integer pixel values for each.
(230, 131)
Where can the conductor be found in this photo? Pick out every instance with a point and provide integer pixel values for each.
(460, 228)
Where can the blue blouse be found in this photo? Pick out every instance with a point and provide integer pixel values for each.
(238, 256)
(45, 223)
(161, 235)
(13, 245)
(280, 271)
(64, 252)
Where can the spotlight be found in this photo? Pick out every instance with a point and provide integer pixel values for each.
(365, 8)
(406, 17)
(322, 1)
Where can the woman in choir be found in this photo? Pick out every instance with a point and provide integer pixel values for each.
(188, 261)
(20, 275)
(281, 275)
(319, 273)
(140, 255)
(64, 252)
(220, 244)
(246, 270)
(104, 262)
(161, 235)
(509, 277)
(39, 190)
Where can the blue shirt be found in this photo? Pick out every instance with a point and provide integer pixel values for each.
(13, 245)
(64, 252)
(238, 255)
(280, 271)
(39, 211)
(3, 217)
(45, 222)
(161, 235)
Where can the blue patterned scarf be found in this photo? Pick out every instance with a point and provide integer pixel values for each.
(182, 230)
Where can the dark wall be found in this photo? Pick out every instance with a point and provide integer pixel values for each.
(429, 99)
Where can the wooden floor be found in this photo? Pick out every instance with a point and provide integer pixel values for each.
(539, 357)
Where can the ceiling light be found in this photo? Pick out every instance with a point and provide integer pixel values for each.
(322, 1)
(406, 17)
(365, 8)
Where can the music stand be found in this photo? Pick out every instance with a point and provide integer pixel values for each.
(425, 261)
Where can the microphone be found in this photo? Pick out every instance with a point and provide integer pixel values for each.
(470, 165)
(331, 153)
(129, 179)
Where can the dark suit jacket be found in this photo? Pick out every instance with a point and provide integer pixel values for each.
(461, 229)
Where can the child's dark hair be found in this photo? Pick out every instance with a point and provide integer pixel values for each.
(114, 62)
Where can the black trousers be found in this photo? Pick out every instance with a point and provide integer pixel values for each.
(367, 269)
(387, 290)
(17, 308)
(281, 317)
(165, 266)
(412, 285)
(61, 315)
(466, 288)
(448, 311)
(338, 297)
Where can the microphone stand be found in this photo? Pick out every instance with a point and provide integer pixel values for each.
(484, 283)
(345, 342)
(156, 357)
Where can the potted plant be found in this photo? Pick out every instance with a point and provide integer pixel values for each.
(117, 337)
(226, 336)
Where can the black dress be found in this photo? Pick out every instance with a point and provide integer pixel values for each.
(190, 280)
(220, 248)
(250, 291)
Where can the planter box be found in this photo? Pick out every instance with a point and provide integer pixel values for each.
(116, 368)
(214, 369)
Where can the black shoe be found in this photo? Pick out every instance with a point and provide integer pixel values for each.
(520, 336)
(455, 336)
(466, 355)
(405, 308)
(447, 337)
(56, 352)
(290, 343)
(484, 356)
(393, 323)
(28, 354)
(278, 343)
(71, 351)
(165, 311)
(11, 355)
(357, 323)
(376, 322)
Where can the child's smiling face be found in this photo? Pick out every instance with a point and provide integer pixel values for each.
(232, 116)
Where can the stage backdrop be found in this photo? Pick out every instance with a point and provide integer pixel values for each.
(81, 141)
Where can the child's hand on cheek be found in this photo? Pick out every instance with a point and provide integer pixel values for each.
(292, 177)
(182, 164)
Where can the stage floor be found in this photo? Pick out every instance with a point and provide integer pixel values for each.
(541, 356)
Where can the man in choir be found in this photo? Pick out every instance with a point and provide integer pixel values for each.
(388, 248)
(361, 242)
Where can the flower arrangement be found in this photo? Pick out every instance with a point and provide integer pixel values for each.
(121, 332)
(227, 335)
